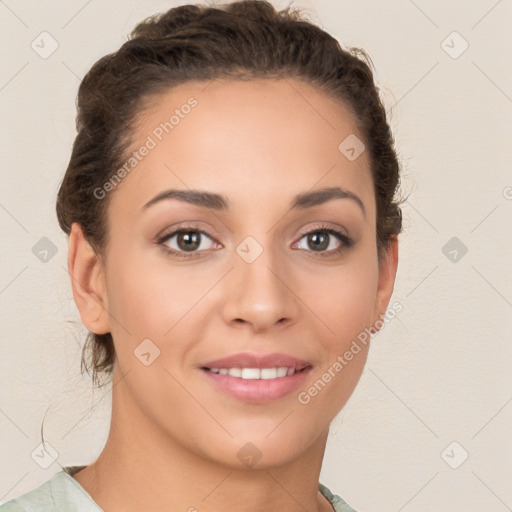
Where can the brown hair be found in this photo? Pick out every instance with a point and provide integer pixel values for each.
(241, 40)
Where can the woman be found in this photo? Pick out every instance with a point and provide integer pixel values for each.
(230, 205)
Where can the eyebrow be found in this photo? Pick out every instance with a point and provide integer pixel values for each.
(220, 202)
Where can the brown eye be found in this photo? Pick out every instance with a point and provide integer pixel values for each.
(184, 242)
(319, 240)
(188, 240)
(325, 241)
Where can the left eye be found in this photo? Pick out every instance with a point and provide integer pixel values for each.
(322, 240)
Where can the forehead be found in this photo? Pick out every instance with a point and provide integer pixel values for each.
(246, 139)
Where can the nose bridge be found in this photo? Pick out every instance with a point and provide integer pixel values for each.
(258, 293)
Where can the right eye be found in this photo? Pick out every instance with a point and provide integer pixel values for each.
(185, 241)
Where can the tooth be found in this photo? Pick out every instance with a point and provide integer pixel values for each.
(235, 372)
(269, 373)
(250, 373)
(255, 373)
(282, 371)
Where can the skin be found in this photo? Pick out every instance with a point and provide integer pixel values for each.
(174, 439)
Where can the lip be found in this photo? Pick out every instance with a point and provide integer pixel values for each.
(251, 360)
(256, 391)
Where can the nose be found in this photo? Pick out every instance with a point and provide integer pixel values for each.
(259, 295)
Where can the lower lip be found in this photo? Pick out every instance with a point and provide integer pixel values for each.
(257, 390)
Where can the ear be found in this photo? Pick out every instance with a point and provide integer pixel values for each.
(88, 282)
(387, 273)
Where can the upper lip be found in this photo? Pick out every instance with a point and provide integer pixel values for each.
(248, 360)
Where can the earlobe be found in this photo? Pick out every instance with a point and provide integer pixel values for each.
(387, 274)
(88, 282)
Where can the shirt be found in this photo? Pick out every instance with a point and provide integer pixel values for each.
(62, 493)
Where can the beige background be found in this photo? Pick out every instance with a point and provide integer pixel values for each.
(437, 374)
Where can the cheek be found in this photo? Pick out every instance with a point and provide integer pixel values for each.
(344, 300)
(148, 298)
(344, 303)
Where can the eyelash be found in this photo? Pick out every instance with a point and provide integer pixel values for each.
(346, 242)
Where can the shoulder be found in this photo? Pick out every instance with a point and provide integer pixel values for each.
(339, 504)
(62, 493)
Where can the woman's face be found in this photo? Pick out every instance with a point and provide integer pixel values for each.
(244, 275)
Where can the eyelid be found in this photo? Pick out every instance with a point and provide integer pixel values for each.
(324, 226)
(185, 226)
